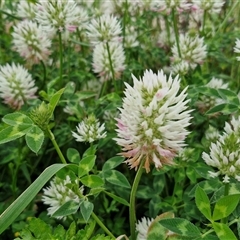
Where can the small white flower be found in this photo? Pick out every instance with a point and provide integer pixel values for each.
(192, 50)
(59, 192)
(104, 29)
(142, 228)
(152, 121)
(89, 130)
(224, 153)
(17, 85)
(26, 10)
(237, 48)
(59, 15)
(181, 68)
(102, 63)
(31, 42)
(211, 6)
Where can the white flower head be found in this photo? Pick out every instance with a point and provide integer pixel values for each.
(224, 153)
(17, 85)
(31, 42)
(142, 228)
(89, 130)
(59, 192)
(168, 5)
(211, 6)
(106, 28)
(181, 67)
(26, 10)
(237, 48)
(192, 50)
(153, 120)
(102, 63)
(59, 15)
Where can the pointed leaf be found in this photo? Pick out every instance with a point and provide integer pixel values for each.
(86, 165)
(55, 99)
(86, 209)
(203, 202)
(112, 163)
(92, 181)
(116, 178)
(11, 133)
(229, 96)
(17, 118)
(212, 92)
(13, 211)
(66, 209)
(181, 226)
(225, 108)
(118, 199)
(34, 138)
(225, 206)
(223, 231)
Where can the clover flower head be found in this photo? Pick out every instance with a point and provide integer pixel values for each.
(103, 65)
(89, 130)
(225, 153)
(142, 228)
(168, 5)
(181, 67)
(26, 10)
(106, 28)
(130, 37)
(17, 85)
(237, 48)
(206, 102)
(31, 42)
(153, 120)
(59, 15)
(211, 6)
(59, 192)
(212, 134)
(192, 50)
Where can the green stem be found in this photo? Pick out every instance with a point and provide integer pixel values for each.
(60, 57)
(226, 192)
(52, 138)
(132, 210)
(204, 22)
(174, 19)
(111, 67)
(226, 18)
(44, 74)
(100, 223)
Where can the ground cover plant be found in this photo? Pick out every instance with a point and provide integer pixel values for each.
(119, 119)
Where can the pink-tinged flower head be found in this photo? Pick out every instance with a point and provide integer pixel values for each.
(153, 120)
(17, 85)
(31, 42)
(211, 6)
(59, 15)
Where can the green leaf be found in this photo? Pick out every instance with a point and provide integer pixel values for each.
(55, 99)
(13, 211)
(90, 151)
(11, 133)
(86, 209)
(211, 92)
(118, 199)
(17, 118)
(73, 155)
(203, 203)
(34, 138)
(112, 163)
(95, 191)
(225, 108)
(223, 231)
(92, 181)
(66, 209)
(86, 165)
(116, 178)
(229, 96)
(156, 232)
(225, 206)
(181, 226)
